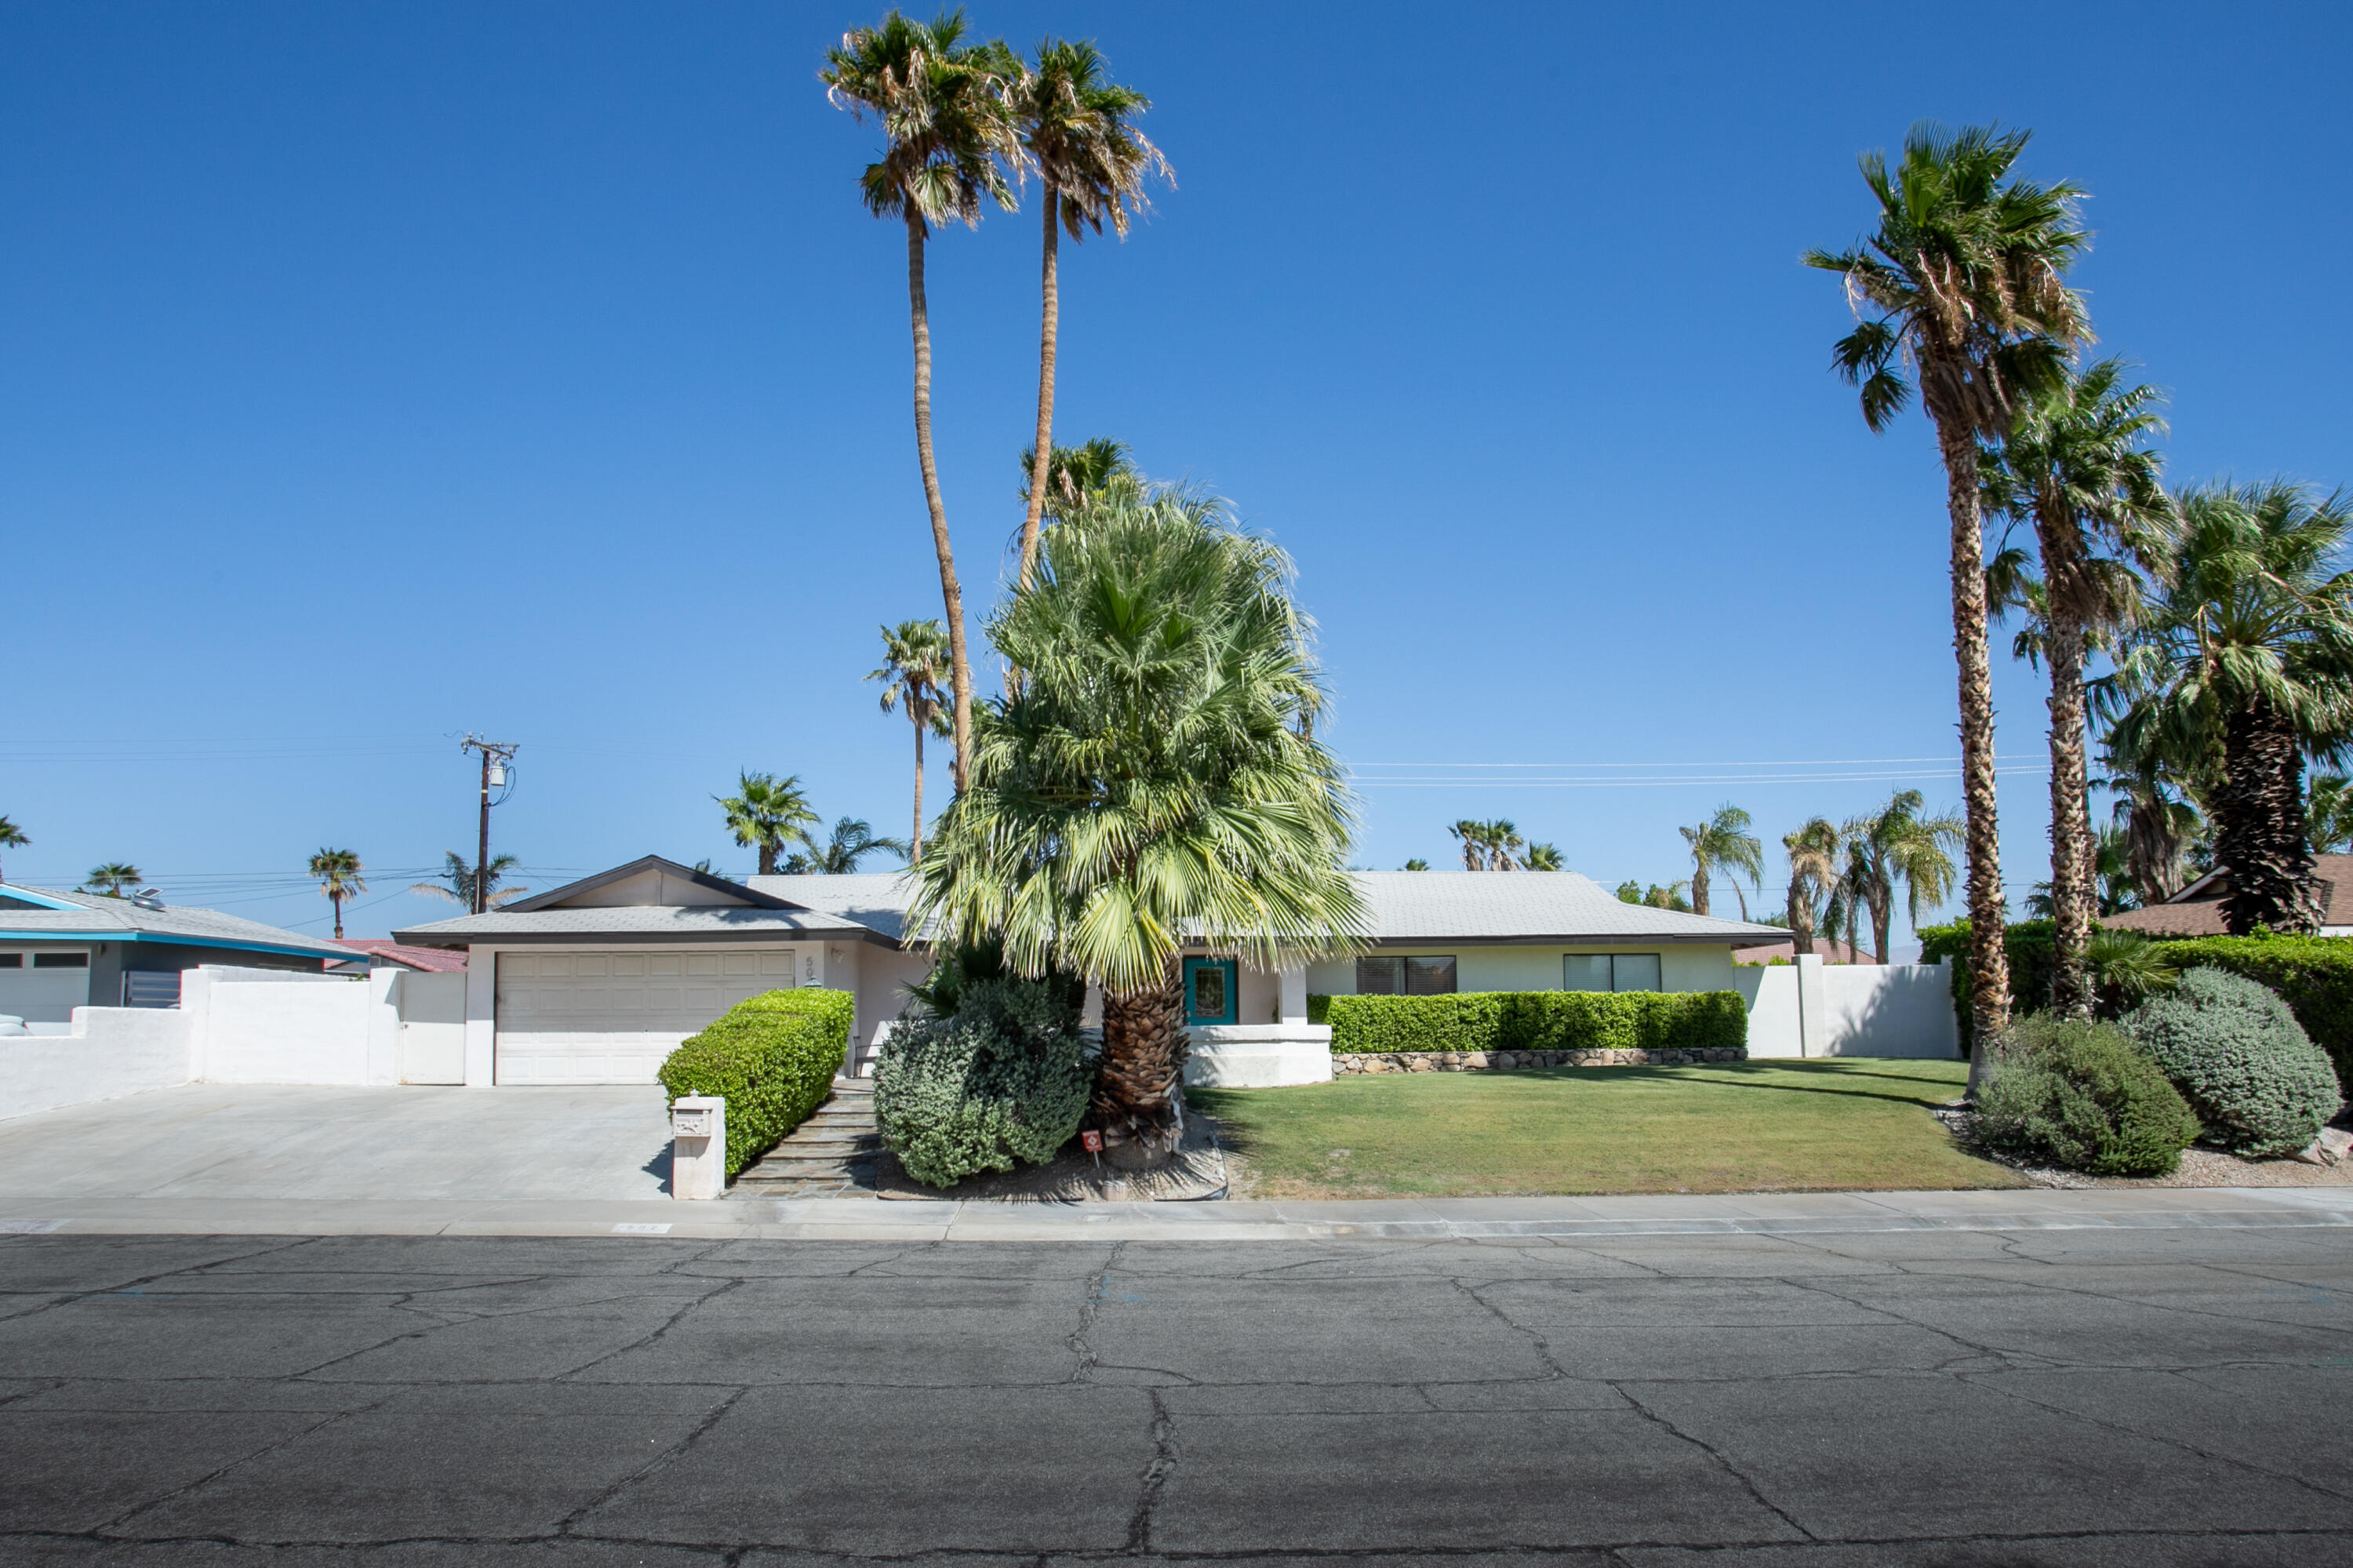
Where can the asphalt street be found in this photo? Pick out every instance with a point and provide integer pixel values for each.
(2064, 1397)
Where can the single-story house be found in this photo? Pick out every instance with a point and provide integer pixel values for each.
(63, 950)
(2196, 909)
(599, 980)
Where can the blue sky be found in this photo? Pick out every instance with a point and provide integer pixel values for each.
(373, 374)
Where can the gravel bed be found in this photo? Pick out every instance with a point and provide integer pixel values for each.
(2200, 1167)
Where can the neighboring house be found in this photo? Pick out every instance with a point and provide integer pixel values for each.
(597, 981)
(383, 953)
(63, 950)
(2196, 909)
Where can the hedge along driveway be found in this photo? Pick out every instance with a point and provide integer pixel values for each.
(1735, 1127)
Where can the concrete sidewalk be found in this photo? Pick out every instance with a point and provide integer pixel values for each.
(867, 1219)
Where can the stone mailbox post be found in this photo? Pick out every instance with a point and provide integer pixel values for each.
(697, 1147)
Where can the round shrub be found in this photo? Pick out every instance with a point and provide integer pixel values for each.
(1000, 1080)
(2238, 1054)
(2084, 1096)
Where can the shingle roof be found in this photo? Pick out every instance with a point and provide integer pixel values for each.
(2196, 909)
(640, 920)
(383, 949)
(1530, 907)
(876, 900)
(89, 914)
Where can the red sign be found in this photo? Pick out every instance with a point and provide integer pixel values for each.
(1092, 1142)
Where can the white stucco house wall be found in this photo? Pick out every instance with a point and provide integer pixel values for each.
(599, 980)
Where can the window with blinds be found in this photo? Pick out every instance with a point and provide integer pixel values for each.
(1611, 971)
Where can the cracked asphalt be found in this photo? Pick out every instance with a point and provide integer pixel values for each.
(2064, 1397)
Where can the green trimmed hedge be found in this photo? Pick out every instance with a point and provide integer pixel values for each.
(2313, 975)
(1539, 1021)
(773, 1057)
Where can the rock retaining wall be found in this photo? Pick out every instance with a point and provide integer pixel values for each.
(1495, 1061)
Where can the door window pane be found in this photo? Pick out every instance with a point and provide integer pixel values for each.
(1430, 977)
(1586, 971)
(1634, 971)
(1380, 977)
(1208, 991)
(12, 960)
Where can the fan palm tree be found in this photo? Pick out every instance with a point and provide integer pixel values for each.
(1075, 475)
(852, 841)
(1542, 857)
(915, 660)
(1148, 786)
(1724, 843)
(11, 837)
(2157, 825)
(768, 813)
(2075, 464)
(1961, 288)
(1895, 844)
(457, 884)
(338, 872)
(1417, 863)
(1075, 128)
(112, 878)
(2247, 653)
(2327, 814)
(1472, 836)
(943, 105)
(1813, 877)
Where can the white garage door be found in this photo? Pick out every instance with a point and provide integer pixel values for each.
(610, 1018)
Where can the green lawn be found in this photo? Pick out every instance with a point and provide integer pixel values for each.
(1750, 1127)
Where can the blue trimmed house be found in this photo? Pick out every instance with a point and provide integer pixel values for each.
(63, 950)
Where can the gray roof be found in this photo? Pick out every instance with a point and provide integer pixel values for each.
(640, 921)
(91, 917)
(1408, 909)
(876, 900)
(1413, 906)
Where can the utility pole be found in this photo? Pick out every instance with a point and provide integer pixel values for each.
(496, 755)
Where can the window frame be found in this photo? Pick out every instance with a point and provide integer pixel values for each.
(1659, 959)
(1404, 972)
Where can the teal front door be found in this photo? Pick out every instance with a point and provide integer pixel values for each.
(1209, 991)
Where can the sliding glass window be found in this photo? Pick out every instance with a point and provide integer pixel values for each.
(1611, 971)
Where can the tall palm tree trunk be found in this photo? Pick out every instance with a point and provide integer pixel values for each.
(1881, 904)
(1145, 1045)
(1699, 888)
(1799, 910)
(960, 670)
(1988, 959)
(2072, 845)
(2259, 826)
(1048, 343)
(915, 838)
(337, 900)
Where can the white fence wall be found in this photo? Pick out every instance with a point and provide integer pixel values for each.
(1812, 1008)
(112, 1051)
(252, 1026)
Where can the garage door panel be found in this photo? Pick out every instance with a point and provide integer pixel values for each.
(607, 1018)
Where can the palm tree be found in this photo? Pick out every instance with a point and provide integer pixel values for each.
(112, 878)
(1962, 287)
(1813, 877)
(1076, 475)
(852, 842)
(1542, 857)
(2076, 465)
(1149, 787)
(2246, 653)
(766, 813)
(1472, 836)
(338, 872)
(1417, 863)
(11, 837)
(456, 885)
(1896, 845)
(942, 106)
(2327, 815)
(1074, 126)
(2156, 826)
(914, 654)
(1724, 842)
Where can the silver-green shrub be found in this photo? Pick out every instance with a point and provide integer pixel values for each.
(2082, 1096)
(2238, 1054)
(1000, 1080)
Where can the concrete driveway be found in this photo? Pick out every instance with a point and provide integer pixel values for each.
(246, 1142)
